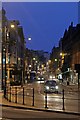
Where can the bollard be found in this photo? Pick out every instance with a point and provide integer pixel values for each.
(33, 97)
(15, 94)
(10, 95)
(46, 100)
(23, 95)
(63, 99)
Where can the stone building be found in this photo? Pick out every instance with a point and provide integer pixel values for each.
(13, 48)
(71, 49)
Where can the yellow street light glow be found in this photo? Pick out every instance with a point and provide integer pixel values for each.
(19, 59)
(49, 61)
(34, 58)
(55, 60)
(12, 26)
(42, 66)
(63, 54)
(60, 54)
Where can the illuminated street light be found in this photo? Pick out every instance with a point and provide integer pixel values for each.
(29, 38)
(42, 66)
(30, 66)
(63, 54)
(36, 61)
(56, 60)
(49, 61)
(19, 59)
(12, 25)
(34, 58)
(60, 54)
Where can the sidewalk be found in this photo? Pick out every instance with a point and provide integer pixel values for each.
(6, 103)
(71, 87)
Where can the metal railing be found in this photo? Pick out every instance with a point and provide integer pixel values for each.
(30, 97)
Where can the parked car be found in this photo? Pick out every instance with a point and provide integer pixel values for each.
(51, 86)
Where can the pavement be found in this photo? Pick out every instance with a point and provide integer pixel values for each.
(5, 103)
(71, 87)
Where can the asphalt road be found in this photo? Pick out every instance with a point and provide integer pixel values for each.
(10, 113)
(54, 101)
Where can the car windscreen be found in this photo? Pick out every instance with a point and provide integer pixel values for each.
(51, 83)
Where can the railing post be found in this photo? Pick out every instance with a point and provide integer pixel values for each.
(23, 95)
(63, 99)
(10, 95)
(33, 97)
(46, 100)
(15, 94)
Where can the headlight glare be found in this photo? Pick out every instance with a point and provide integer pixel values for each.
(56, 87)
(47, 87)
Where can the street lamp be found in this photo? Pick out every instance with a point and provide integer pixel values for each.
(34, 58)
(12, 25)
(29, 38)
(56, 59)
(62, 57)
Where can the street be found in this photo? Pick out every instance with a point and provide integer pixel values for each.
(20, 113)
(54, 101)
(40, 59)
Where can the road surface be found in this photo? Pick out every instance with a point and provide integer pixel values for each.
(54, 101)
(9, 112)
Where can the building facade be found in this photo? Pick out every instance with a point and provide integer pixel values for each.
(13, 48)
(55, 60)
(71, 50)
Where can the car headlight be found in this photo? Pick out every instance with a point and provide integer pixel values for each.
(47, 87)
(50, 77)
(57, 87)
(38, 78)
(42, 78)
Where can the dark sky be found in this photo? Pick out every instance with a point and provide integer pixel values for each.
(44, 22)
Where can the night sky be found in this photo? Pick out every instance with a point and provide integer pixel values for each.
(44, 22)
